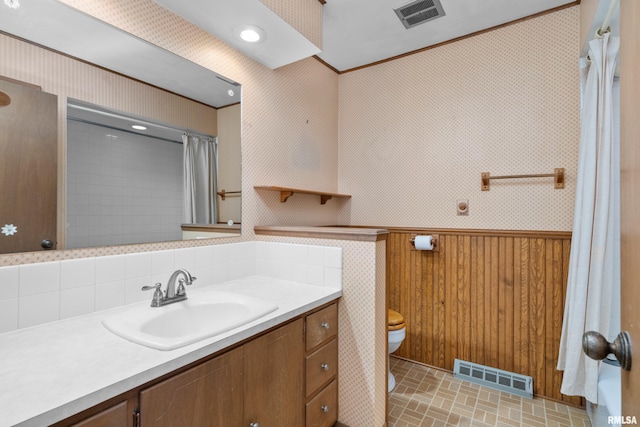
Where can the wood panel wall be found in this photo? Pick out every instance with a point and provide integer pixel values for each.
(490, 297)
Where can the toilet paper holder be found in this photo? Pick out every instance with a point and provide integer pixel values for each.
(435, 239)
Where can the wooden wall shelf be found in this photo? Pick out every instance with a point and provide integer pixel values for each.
(286, 192)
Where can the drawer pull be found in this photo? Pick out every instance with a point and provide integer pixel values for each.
(254, 424)
(324, 408)
(325, 325)
(325, 366)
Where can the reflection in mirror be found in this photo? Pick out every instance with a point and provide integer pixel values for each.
(28, 168)
(124, 183)
(131, 180)
(94, 42)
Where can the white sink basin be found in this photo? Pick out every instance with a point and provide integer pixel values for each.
(175, 325)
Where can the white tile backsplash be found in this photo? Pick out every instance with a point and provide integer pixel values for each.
(109, 295)
(137, 265)
(266, 267)
(333, 257)
(185, 258)
(133, 289)
(203, 256)
(332, 277)
(39, 278)
(242, 252)
(10, 283)
(302, 263)
(77, 301)
(37, 309)
(235, 270)
(316, 255)
(44, 292)
(162, 262)
(110, 268)
(75, 273)
(267, 251)
(221, 254)
(8, 315)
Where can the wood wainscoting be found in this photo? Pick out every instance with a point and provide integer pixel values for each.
(490, 297)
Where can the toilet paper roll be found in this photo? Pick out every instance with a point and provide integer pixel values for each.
(424, 243)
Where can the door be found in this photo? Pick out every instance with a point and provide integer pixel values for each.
(630, 196)
(274, 387)
(28, 168)
(209, 394)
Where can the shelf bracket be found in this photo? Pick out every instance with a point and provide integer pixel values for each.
(324, 198)
(284, 195)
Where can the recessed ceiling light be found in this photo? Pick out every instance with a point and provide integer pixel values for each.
(139, 127)
(250, 33)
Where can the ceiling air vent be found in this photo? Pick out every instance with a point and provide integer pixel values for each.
(418, 12)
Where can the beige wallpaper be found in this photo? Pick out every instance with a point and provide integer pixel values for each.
(305, 16)
(416, 133)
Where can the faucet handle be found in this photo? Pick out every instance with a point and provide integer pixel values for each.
(181, 290)
(193, 279)
(149, 287)
(157, 294)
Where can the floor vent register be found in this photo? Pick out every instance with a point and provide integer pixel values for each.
(498, 379)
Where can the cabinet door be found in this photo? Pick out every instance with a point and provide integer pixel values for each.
(116, 416)
(209, 394)
(274, 392)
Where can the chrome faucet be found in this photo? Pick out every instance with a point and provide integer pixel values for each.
(171, 294)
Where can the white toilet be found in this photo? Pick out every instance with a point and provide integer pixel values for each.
(397, 332)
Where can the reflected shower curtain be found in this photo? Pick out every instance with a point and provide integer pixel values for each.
(200, 179)
(591, 272)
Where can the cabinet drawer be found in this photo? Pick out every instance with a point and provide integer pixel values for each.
(322, 410)
(321, 366)
(321, 326)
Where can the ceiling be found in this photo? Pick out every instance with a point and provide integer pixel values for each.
(281, 46)
(114, 120)
(355, 32)
(360, 32)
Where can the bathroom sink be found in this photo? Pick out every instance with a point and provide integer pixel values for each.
(203, 315)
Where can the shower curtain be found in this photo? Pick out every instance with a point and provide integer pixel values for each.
(200, 179)
(591, 262)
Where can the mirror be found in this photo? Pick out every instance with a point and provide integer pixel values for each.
(209, 104)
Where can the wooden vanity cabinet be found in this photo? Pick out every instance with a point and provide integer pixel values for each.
(260, 382)
(286, 377)
(321, 367)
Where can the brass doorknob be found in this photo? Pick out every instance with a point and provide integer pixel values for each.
(597, 347)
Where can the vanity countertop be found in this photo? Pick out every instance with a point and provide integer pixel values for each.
(52, 371)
